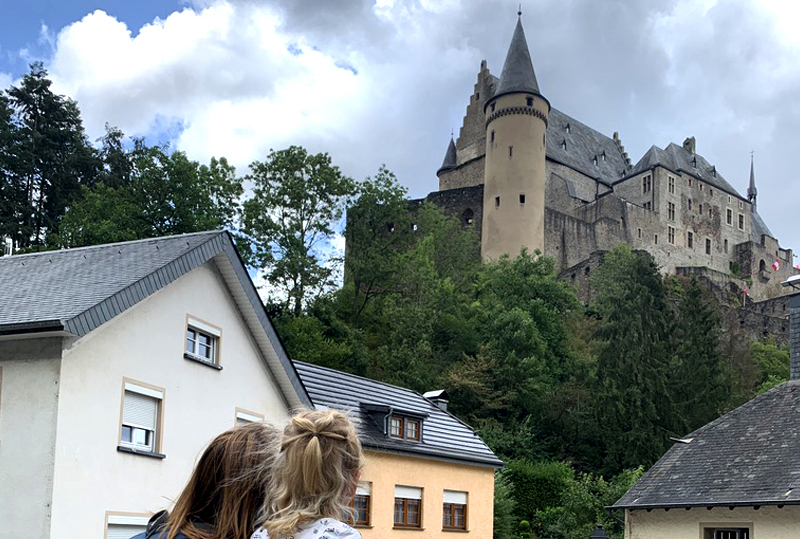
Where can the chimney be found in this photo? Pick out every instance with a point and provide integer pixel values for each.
(689, 145)
(794, 327)
(439, 398)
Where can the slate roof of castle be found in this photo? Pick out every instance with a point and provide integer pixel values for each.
(750, 456)
(443, 435)
(518, 74)
(679, 159)
(74, 291)
(584, 145)
(757, 226)
(450, 156)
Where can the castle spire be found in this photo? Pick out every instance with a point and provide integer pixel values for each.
(517, 74)
(449, 157)
(752, 191)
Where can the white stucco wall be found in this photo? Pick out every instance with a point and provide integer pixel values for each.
(28, 410)
(146, 343)
(764, 523)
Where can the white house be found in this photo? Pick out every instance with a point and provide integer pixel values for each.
(118, 363)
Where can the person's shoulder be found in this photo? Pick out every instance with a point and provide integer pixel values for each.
(330, 528)
(260, 533)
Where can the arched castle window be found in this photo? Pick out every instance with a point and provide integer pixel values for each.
(467, 217)
(762, 266)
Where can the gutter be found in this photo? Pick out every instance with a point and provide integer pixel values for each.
(689, 505)
(32, 328)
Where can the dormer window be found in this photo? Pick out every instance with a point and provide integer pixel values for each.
(405, 428)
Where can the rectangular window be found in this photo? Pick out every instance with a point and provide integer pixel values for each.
(710, 212)
(124, 526)
(689, 200)
(741, 205)
(647, 184)
(412, 429)
(729, 199)
(496, 202)
(710, 192)
(741, 222)
(407, 507)
(244, 417)
(726, 533)
(708, 246)
(360, 505)
(522, 198)
(492, 137)
(701, 187)
(454, 510)
(729, 216)
(671, 235)
(690, 240)
(141, 417)
(639, 230)
(202, 341)
(656, 239)
(726, 246)
(671, 211)
(396, 427)
(672, 185)
(510, 152)
(700, 210)
(690, 182)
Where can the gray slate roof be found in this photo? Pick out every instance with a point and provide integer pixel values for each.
(757, 226)
(584, 144)
(443, 435)
(678, 159)
(449, 161)
(77, 290)
(517, 74)
(750, 456)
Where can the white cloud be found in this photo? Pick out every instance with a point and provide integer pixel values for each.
(384, 82)
(5, 80)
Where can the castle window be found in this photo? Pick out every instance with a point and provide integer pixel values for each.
(496, 202)
(741, 205)
(729, 216)
(477, 96)
(492, 137)
(594, 160)
(671, 235)
(762, 266)
(690, 182)
(586, 270)
(564, 144)
(567, 128)
(708, 246)
(689, 200)
(671, 211)
(700, 185)
(414, 227)
(710, 192)
(690, 240)
(467, 217)
(710, 212)
(672, 185)
(639, 231)
(700, 210)
(522, 198)
(656, 239)
(529, 101)
(492, 107)
(741, 222)
(510, 152)
(390, 227)
(694, 163)
(603, 155)
(726, 246)
(729, 199)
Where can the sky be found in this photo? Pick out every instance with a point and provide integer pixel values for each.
(385, 81)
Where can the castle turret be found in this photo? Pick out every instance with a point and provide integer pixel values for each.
(752, 192)
(449, 162)
(514, 182)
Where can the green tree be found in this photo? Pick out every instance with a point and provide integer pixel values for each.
(52, 158)
(13, 203)
(773, 364)
(504, 508)
(289, 221)
(635, 405)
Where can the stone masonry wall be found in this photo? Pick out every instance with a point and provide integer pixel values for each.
(467, 174)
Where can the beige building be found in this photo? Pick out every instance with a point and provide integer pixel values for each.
(427, 473)
(118, 363)
(736, 478)
(527, 175)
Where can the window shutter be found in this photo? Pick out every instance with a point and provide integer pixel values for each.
(411, 493)
(452, 496)
(363, 488)
(140, 411)
(123, 531)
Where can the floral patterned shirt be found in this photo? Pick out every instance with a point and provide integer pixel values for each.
(324, 528)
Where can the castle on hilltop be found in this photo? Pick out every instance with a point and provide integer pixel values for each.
(525, 174)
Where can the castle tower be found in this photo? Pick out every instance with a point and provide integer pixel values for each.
(514, 181)
(752, 192)
(449, 162)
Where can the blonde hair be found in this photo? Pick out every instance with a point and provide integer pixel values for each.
(228, 487)
(316, 471)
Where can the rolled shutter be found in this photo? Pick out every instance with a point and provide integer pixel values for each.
(123, 531)
(140, 411)
(411, 493)
(454, 496)
(363, 488)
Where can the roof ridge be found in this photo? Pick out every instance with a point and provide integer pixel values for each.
(115, 244)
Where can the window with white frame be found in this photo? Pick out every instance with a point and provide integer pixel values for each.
(141, 414)
(124, 526)
(407, 507)
(454, 510)
(202, 341)
(243, 417)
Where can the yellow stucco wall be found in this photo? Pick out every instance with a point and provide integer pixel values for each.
(764, 523)
(385, 471)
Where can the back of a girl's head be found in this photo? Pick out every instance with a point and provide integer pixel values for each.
(315, 472)
(228, 486)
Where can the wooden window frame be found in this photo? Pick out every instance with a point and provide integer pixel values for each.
(416, 422)
(360, 523)
(401, 430)
(452, 526)
(405, 523)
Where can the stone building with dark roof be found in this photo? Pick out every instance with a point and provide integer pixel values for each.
(525, 174)
(737, 477)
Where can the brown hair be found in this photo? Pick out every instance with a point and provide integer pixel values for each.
(316, 471)
(228, 486)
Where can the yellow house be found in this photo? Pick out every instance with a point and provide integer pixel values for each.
(426, 470)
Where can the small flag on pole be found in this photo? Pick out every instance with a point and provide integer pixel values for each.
(776, 265)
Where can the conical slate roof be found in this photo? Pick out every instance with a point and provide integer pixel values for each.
(449, 157)
(518, 75)
(751, 190)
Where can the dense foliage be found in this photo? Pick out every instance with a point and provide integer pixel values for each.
(577, 400)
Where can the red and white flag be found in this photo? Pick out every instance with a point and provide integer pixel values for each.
(776, 265)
